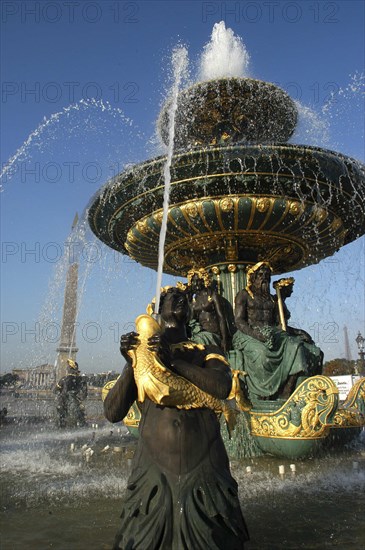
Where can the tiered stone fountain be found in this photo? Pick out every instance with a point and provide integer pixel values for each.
(241, 194)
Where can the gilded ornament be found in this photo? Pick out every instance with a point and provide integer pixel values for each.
(320, 214)
(158, 216)
(133, 417)
(236, 393)
(187, 346)
(106, 389)
(307, 414)
(181, 286)
(352, 412)
(295, 208)
(215, 270)
(356, 396)
(191, 209)
(263, 204)
(200, 273)
(192, 244)
(216, 356)
(226, 204)
(336, 224)
(131, 237)
(142, 226)
(349, 418)
(283, 282)
(231, 250)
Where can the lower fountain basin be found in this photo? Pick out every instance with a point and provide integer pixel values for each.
(52, 497)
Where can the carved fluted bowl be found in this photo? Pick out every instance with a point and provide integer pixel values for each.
(291, 205)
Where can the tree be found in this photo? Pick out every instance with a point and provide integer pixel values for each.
(339, 367)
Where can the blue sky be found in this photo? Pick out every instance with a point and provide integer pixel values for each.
(105, 67)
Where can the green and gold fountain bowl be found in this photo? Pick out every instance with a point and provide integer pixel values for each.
(291, 205)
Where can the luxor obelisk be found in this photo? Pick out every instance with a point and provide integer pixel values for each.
(67, 348)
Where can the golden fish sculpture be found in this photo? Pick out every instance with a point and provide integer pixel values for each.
(162, 386)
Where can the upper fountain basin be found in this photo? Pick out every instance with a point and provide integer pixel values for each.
(230, 110)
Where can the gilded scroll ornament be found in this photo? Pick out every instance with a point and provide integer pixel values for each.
(307, 414)
(349, 418)
(356, 396)
(352, 412)
(108, 386)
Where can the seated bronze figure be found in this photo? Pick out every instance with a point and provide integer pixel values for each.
(273, 358)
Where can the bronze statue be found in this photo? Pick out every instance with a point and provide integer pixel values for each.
(71, 390)
(273, 358)
(181, 493)
(209, 319)
(284, 289)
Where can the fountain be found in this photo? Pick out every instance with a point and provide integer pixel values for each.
(240, 194)
(71, 390)
(225, 195)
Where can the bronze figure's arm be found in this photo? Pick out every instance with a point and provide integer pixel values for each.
(222, 321)
(123, 394)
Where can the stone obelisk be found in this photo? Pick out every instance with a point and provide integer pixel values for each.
(347, 344)
(67, 348)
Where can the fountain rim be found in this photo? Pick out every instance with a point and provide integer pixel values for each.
(118, 191)
(118, 179)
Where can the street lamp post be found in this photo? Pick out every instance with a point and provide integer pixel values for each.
(360, 341)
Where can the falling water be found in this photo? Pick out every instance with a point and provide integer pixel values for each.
(24, 150)
(78, 241)
(312, 128)
(180, 65)
(225, 55)
(344, 111)
(354, 90)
